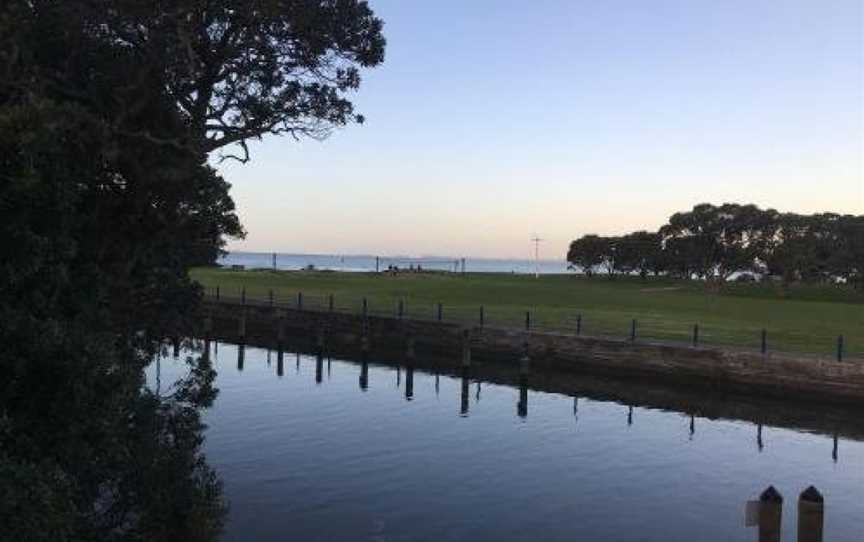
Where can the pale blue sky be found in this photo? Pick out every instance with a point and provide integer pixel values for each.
(492, 120)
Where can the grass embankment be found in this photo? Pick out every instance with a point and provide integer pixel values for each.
(798, 319)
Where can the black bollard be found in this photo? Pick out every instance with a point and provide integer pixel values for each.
(770, 515)
(811, 515)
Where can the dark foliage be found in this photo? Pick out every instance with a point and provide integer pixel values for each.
(109, 110)
(713, 243)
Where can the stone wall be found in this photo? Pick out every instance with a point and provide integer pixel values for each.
(783, 376)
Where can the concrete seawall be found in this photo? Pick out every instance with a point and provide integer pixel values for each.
(782, 376)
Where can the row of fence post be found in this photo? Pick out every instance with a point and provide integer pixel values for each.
(439, 316)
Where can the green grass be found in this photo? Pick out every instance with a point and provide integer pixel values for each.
(799, 319)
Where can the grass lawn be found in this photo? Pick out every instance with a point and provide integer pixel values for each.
(798, 319)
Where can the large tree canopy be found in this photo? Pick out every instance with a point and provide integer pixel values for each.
(108, 112)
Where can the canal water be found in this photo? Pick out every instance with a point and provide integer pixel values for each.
(341, 451)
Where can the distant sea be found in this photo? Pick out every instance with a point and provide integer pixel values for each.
(360, 263)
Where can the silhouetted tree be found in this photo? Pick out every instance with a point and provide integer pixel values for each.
(588, 252)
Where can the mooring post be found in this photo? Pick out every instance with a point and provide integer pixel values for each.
(578, 324)
(401, 311)
(695, 334)
(770, 515)
(440, 311)
(466, 348)
(482, 316)
(840, 348)
(764, 340)
(299, 301)
(243, 295)
(330, 303)
(527, 320)
(633, 330)
(811, 515)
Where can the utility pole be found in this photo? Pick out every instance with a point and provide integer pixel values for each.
(536, 240)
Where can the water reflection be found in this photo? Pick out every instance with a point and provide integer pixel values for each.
(648, 467)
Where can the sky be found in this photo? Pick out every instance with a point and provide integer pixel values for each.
(491, 121)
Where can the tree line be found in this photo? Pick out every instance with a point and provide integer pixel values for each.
(713, 243)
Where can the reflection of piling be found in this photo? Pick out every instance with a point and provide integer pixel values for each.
(522, 405)
(629, 415)
(437, 385)
(280, 329)
(759, 442)
(463, 409)
(466, 348)
(241, 355)
(409, 382)
(319, 368)
(364, 375)
(207, 348)
(280, 366)
(176, 342)
(319, 341)
(811, 515)
(770, 515)
(524, 361)
(241, 326)
(409, 348)
(834, 449)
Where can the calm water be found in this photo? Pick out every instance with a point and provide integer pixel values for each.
(367, 263)
(419, 457)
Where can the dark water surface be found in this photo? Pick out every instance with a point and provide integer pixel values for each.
(419, 457)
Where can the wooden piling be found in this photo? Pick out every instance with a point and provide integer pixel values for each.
(633, 330)
(840, 348)
(527, 320)
(578, 324)
(695, 334)
(811, 515)
(764, 346)
(770, 515)
(482, 316)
